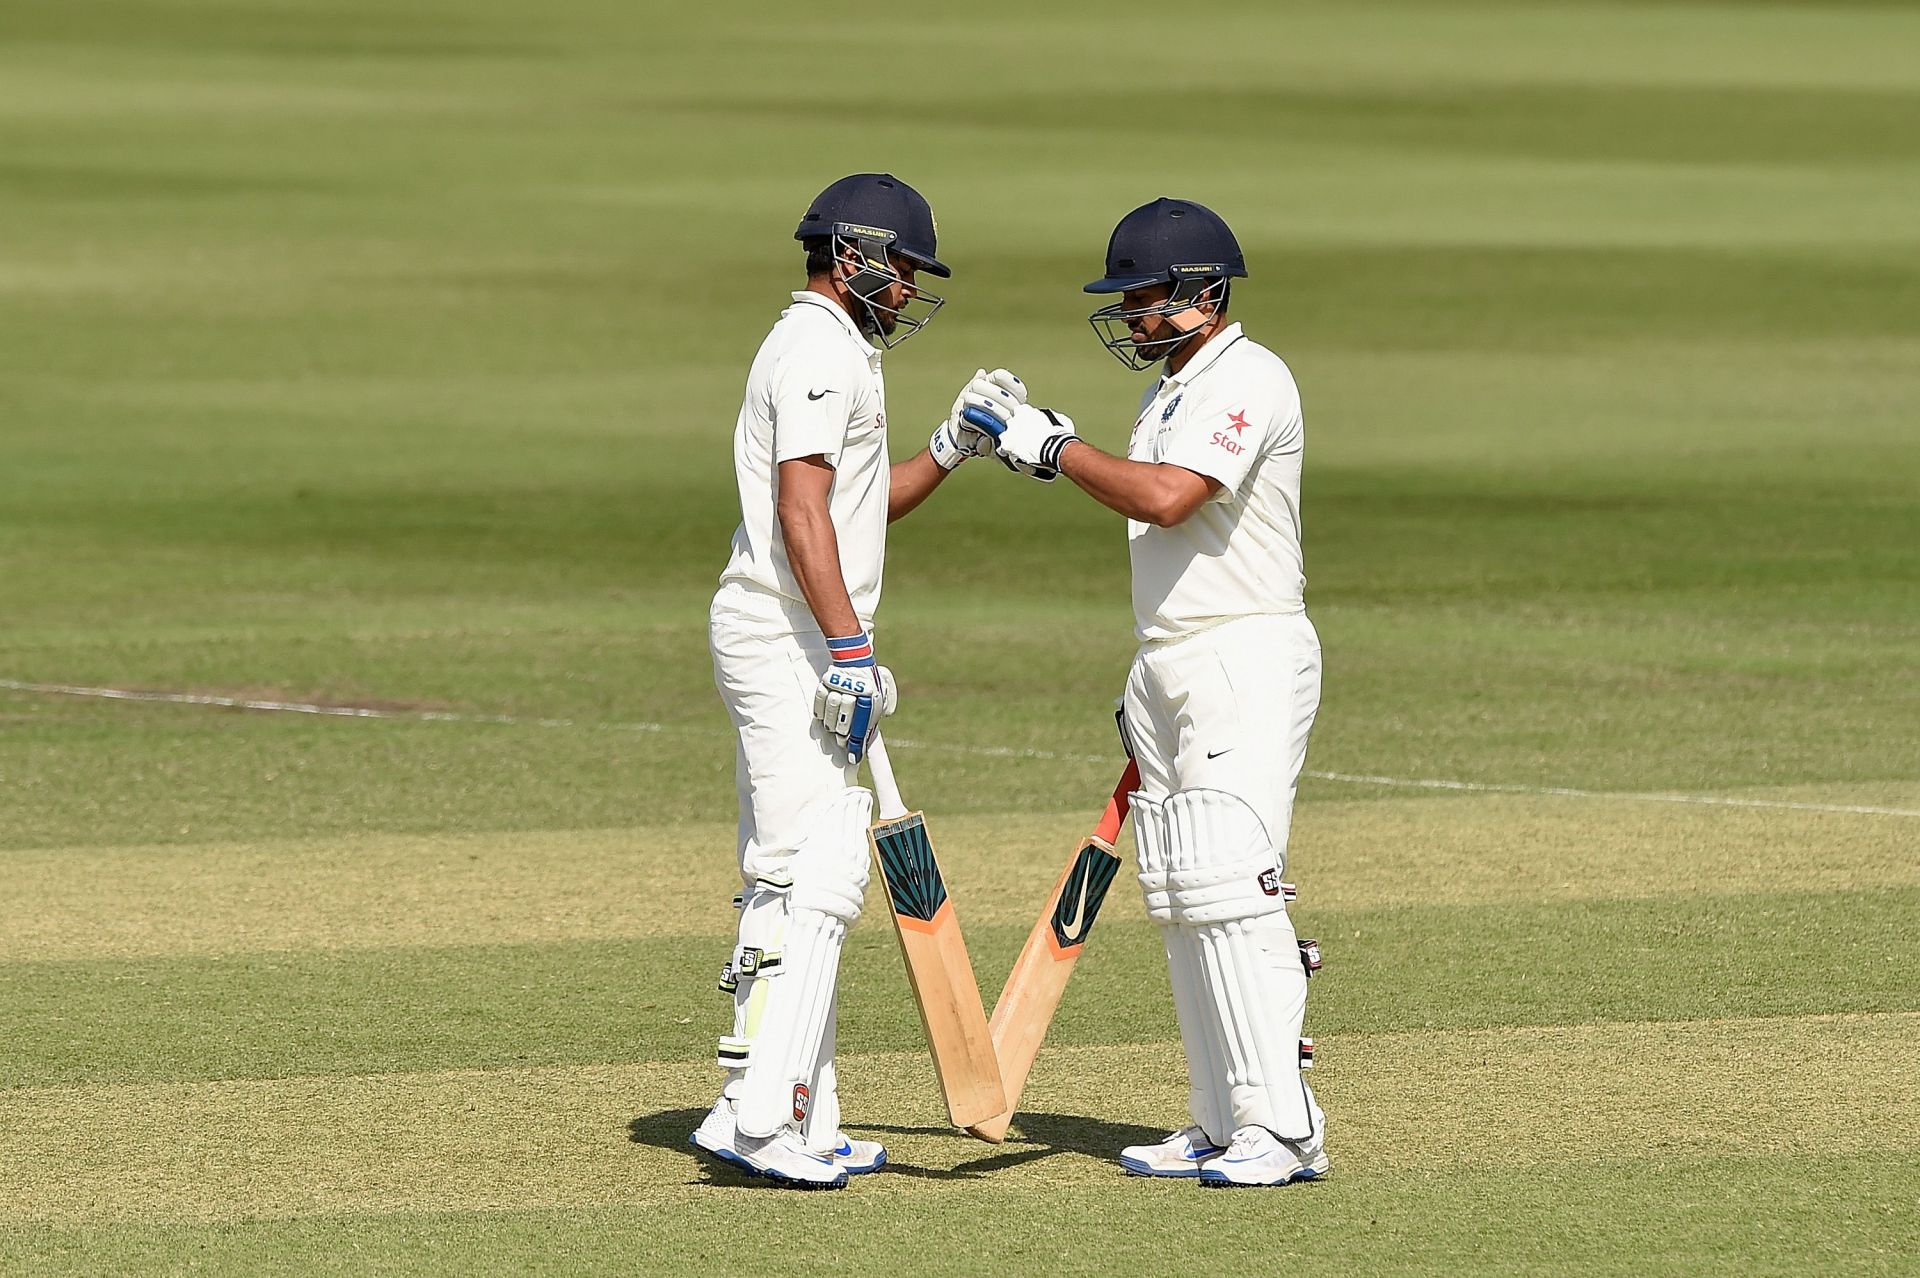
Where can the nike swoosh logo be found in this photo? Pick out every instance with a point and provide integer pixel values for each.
(1070, 927)
(1214, 754)
(818, 394)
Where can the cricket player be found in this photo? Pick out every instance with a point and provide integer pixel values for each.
(791, 629)
(1223, 691)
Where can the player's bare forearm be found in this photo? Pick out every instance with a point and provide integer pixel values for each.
(813, 548)
(911, 481)
(1151, 492)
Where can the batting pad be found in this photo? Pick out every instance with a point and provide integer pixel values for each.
(748, 975)
(1224, 896)
(1206, 1073)
(829, 882)
(821, 1130)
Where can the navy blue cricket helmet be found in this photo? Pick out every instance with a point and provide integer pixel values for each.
(1170, 241)
(1175, 242)
(877, 206)
(863, 220)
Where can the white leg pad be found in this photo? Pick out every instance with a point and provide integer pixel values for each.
(1206, 1074)
(755, 961)
(821, 1130)
(829, 882)
(1224, 896)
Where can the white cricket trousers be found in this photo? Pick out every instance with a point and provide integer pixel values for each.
(1228, 709)
(767, 669)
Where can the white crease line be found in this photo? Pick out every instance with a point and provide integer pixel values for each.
(996, 752)
(1568, 792)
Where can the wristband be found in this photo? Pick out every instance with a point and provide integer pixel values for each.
(853, 650)
(1051, 450)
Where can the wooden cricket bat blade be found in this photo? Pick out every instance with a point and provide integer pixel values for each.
(940, 970)
(1039, 976)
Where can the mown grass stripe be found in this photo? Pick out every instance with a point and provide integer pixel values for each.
(1629, 1215)
(275, 1015)
(649, 881)
(579, 1136)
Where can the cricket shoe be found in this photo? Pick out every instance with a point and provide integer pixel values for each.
(1178, 1155)
(716, 1136)
(858, 1157)
(1259, 1158)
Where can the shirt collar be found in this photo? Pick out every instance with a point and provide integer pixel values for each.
(1204, 358)
(810, 298)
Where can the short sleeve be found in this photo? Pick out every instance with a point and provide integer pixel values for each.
(813, 400)
(1224, 435)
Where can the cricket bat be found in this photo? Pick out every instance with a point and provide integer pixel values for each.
(1039, 975)
(936, 953)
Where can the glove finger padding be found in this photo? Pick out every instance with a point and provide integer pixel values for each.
(834, 710)
(1009, 383)
(994, 396)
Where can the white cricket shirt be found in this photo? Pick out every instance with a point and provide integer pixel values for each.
(814, 389)
(1233, 415)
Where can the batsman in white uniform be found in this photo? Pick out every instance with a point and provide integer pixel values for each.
(1222, 693)
(791, 629)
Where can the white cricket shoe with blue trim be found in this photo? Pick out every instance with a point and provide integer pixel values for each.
(716, 1136)
(1180, 1154)
(1259, 1158)
(858, 1157)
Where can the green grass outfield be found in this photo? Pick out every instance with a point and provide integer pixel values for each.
(385, 356)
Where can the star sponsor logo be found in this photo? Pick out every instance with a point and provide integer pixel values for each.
(1237, 423)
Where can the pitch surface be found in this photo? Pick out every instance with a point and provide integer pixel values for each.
(385, 356)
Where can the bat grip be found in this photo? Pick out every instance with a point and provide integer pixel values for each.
(891, 807)
(1110, 820)
(982, 419)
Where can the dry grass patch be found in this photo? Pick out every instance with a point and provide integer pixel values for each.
(613, 1134)
(676, 880)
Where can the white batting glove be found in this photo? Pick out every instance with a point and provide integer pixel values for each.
(1032, 441)
(854, 694)
(956, 440)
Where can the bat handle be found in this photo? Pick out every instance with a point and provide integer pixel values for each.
(891, 807)
(1109, 827)
(981, 418)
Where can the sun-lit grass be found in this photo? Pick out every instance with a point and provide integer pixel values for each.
(387, 356)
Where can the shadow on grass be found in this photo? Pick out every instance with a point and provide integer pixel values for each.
(668, 1129)
(1034, 1137)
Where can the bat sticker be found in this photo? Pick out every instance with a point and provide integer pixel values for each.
(1080, 897)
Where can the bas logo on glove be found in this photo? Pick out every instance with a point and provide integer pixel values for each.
(851, 691)
(960, 437)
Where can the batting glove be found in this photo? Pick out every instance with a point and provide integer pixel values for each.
(956, 439)
(1032, 441)
(854, 694)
